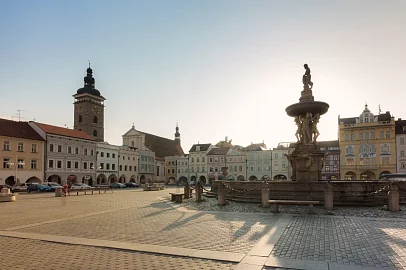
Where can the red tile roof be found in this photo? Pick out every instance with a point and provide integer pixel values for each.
(162, 147)
(65, 132)
(16, 129)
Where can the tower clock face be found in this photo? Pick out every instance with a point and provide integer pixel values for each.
(96, 110)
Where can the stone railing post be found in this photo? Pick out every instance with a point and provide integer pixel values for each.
(186, 191)
(221, 197)
(265, 194)
(393, 198)
(328, 196)
(199, 191)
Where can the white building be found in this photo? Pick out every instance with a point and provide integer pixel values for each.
(107, 163)
(237, 164)
(267, 164)
(400, 131)
(70, 154)
(171, 169)
(182, 168)
(198, 162)
(128, 164)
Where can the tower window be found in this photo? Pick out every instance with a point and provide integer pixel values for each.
(80, 119)
(132, 144)
(95, 133)
(95, 119)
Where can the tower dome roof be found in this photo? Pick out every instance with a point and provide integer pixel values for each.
(89, 86)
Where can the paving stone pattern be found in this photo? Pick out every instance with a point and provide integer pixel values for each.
(163, 225)
(35, 254)
(346, 241)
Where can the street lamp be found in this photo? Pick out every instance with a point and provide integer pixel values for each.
(16, 164)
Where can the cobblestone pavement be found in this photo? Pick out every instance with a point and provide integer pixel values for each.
(346, 241)
(35, 254)
(134, 216)
(165, 226)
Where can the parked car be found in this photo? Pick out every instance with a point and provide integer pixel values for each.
(80, 186)
(38, 188)
(132, 185)
(7, 186)
(117, 185)
(23, 186)
(53, 185)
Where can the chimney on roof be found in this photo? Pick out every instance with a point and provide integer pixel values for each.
(399, 119)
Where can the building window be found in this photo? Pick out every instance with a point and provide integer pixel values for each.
(6, 146)
(20, 147)
(350, 161)
(34, 148)
(33, 164)
(203, 160)
(385, 160)
(121, 167)
(69, 164)
(240, 168)
(91, 152)
(346, 137)
(91, 166)
(76, 151)
(69, 150)
(352, 136)
(59, 148)
(113, 167)
(108, 166)
(6, 163)
(373, 135)
(387, 134)
(157, 170)
(210, 159)
(101, 166)
(51, 147)
(95, 133)
(59, 164)
(80, 119)
(402, 141)
(85, 151)
(125, 168)
(361, 135)
(169, 171)
(381, 134)
(113, 155)
(141, 159)
(367, 135)
(76, 165)
(85, 165)
(108, 155)
(385, 149)
(95, 120)
(50, 163)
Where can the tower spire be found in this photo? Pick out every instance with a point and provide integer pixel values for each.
(177, 134)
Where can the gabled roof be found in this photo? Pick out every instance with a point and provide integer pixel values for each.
(399, 124)
(16, 129)
(162, 147)
(384, 117)
(256, 147)
(347, 121)
(203, 147)
(64, 131)
(218, 151)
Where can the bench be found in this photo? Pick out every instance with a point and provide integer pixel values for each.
(177, 197)
(275, 204)
(89, 190)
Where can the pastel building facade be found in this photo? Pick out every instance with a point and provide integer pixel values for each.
(22, 153)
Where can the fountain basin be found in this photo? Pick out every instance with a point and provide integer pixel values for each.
(312, 107)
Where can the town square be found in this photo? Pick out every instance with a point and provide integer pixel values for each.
(239, 134)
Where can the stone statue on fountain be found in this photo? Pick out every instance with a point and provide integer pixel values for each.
(307, 131)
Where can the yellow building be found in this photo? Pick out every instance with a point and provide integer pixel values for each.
(367, 145)
(21, 153)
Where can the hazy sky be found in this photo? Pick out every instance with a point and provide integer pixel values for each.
(220, 68)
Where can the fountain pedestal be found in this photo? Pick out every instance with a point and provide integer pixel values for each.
(307, 159)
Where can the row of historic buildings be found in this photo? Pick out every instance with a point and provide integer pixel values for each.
(38, 152)
(368, 146)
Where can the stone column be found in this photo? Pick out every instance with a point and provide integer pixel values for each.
(186, 192)
(328, 196)
(265, 195)
(199, 191)
(221, 197)
(393, 198)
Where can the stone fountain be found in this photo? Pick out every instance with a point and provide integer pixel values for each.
(307, 159)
